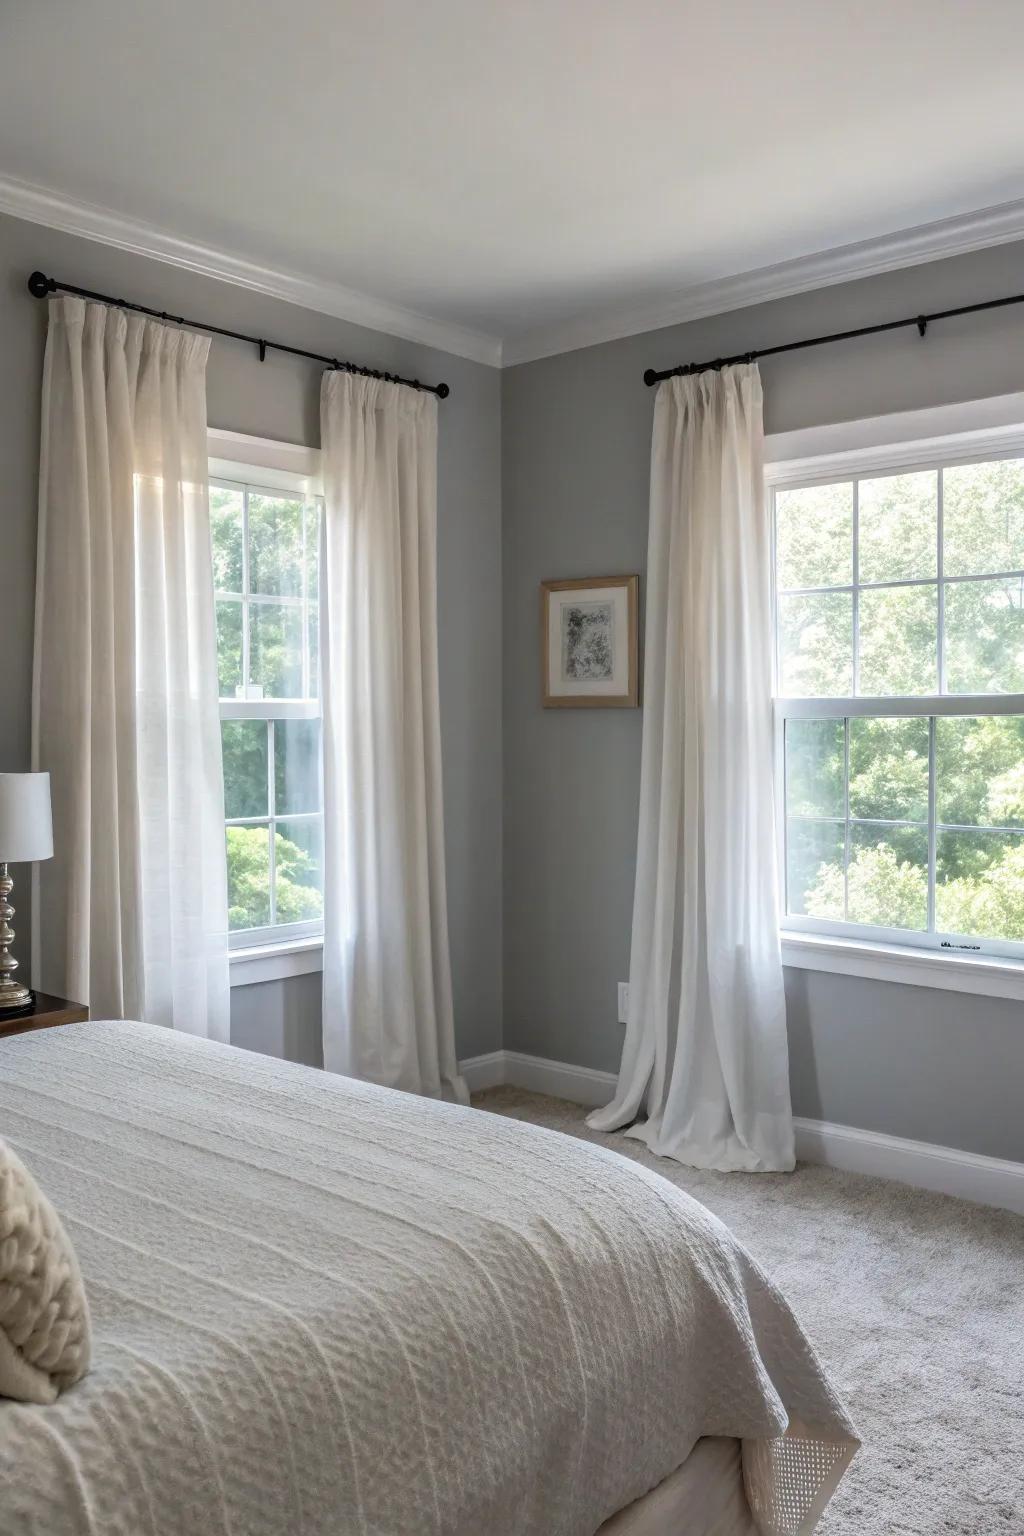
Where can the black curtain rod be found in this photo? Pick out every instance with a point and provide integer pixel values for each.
(39, 285)
(922, 322)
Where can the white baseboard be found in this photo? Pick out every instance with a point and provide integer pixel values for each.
(482, 1072)
(582, 1085)
(945, 1170)
(514, 1069)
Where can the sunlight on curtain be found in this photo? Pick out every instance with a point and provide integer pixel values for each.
(132, 910)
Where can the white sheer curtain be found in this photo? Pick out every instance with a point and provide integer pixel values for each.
(130, 916)
(705, 1049)
(387, 1000)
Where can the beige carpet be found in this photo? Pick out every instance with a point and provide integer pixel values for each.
(916, 1304)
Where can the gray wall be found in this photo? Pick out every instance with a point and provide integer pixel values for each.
(937, 1066)
(280, 399)
(280, 1018)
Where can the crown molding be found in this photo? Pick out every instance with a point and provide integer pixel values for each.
(943, 238)
(38, 205)
(954, 236)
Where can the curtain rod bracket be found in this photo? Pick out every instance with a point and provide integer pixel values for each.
(922, 324)
(263, 350)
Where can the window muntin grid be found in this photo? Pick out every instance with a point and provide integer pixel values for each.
(250, 702)
(929, 706)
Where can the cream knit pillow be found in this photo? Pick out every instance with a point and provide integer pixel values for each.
(44, 1318)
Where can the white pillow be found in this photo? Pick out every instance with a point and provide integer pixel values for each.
(44, 1317)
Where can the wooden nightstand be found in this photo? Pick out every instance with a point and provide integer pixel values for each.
(46, 1012)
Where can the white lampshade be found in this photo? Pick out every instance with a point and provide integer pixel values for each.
(26, 826)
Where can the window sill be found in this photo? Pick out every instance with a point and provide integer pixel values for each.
(983, 975)
(275, 962)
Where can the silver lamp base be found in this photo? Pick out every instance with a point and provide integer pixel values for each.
(12, 993)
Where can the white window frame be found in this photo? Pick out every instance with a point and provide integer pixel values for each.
(239, 461)
(989, 430)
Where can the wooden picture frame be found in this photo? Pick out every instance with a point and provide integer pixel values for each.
(588, 643)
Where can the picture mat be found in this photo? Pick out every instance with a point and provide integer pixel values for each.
(585, 598)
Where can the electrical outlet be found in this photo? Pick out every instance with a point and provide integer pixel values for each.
(623, 1001)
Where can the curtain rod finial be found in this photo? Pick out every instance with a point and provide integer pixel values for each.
(39, 285)
(443, 391)
(650, 376)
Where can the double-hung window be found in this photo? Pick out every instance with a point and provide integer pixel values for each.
(899, 660)
(266, 564)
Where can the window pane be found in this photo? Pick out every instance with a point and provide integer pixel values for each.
(816, 645)
(314, 652)
(889, 769)
(275, 649)
(979, 884)
(985, 637)
(313, 551)
(897, 519)
(244, 748)
(814, 536)
(983, 517)
(887, 881)
(229, 648)
(898, 649)
(814, 867)
(299, 883)
(814, 768)
(296, 766)
(226, 538)
(248, 877)
(275, 545)
(979, 770)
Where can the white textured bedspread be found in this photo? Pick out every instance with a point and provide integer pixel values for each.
(326, 1309)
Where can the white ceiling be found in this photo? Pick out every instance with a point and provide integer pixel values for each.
(510, 166)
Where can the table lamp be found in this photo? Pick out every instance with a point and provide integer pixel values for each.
(26, 834)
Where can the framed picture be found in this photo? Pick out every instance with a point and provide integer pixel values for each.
(588, 635)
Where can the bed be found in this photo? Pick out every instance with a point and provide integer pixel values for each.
(323, 1308)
